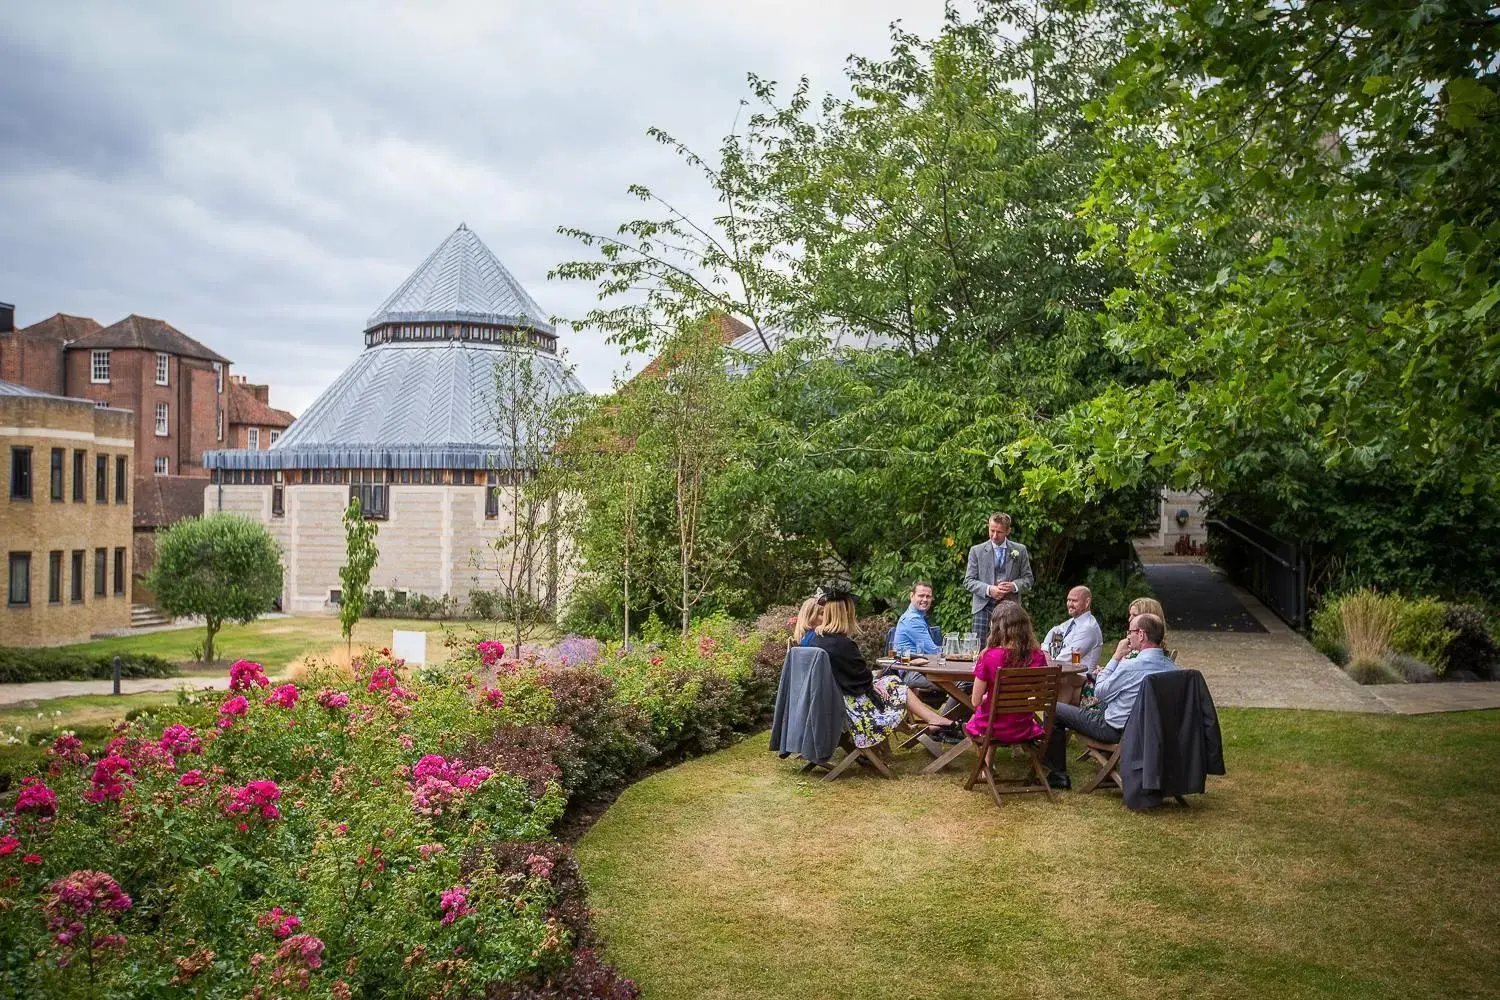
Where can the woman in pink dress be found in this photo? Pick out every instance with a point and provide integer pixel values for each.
(1011, 643)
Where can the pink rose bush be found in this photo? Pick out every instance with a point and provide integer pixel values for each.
(339, 837)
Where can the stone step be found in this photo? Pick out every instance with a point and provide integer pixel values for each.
(145, 616)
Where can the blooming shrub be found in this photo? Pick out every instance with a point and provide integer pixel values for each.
(386, 837)
(244, 675)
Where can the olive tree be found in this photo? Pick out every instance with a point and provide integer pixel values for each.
(220, 566)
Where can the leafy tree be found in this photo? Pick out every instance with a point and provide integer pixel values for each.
(354, 576)
(532, 409)
(221, 566)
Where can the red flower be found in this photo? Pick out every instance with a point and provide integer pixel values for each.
(243, 675)
(37, 798)
(31, 859)
(8, 845)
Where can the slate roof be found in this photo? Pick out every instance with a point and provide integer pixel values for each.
(147, 334)
(12, 389)
(401, 405)
(461, 281)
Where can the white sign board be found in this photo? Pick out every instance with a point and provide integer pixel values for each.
(410, 646)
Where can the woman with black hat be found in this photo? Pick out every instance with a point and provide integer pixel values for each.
(874, 707)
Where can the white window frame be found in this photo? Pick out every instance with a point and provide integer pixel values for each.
(161, 466)
(219, 426)
(99, 367)
(163, 420)
(219, 374)
(163, 368)
(252, 437)
(275, 436)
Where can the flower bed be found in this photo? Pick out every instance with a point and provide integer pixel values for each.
(389, 836)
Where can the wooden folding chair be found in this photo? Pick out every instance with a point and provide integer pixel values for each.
(1019, 689)
(1107, 756)
(868, 756)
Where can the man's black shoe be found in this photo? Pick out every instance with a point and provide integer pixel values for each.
(947, 734)
(1059, 782)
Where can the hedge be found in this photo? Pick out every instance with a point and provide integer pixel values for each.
(20, 666)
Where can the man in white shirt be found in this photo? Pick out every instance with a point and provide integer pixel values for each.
(1080, 633)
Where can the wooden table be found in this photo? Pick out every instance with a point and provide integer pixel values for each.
(946, 675)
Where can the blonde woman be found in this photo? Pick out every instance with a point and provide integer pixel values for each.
(808, 617)
(874, 707)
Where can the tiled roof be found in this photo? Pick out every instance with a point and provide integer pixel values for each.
(420, 405)
(60, 327)
(243, 407)
(164, 500)
(148, 334)
(462, 280)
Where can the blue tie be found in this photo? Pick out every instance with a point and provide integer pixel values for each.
(999, 561)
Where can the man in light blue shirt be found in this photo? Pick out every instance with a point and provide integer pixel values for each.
(1080, 633)
(913, 634)
(1117, 688)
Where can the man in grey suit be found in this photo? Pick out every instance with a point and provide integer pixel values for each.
(999, 570)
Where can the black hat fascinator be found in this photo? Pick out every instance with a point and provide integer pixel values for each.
(834, 592)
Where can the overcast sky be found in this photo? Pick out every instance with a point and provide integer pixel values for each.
(262, 175)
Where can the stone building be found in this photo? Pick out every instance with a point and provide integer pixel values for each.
(409, 429)
(65, 521)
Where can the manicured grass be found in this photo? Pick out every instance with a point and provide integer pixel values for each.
(273, 642)
(1343, 855)
(75, 712)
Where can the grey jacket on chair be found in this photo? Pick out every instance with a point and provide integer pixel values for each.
(1171, 740)
(809, 717)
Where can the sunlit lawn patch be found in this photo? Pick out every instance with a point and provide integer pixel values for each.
(1343, 855)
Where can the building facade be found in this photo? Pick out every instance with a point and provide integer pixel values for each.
(65, 522)
(409, 428)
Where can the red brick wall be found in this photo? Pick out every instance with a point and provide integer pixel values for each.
(32, 362)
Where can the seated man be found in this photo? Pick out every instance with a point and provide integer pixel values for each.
(1117, 688)
(913, 634)
(1080, 633)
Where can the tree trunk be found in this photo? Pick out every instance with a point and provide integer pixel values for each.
(212, 625)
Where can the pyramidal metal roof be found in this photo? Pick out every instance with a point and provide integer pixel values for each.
(462, 281)
(403, 405)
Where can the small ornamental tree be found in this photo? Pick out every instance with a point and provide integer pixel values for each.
(221, 566)
(354, 576)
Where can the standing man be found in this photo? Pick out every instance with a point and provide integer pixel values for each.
(1118, 687)
(1080, 633)
(999, 570)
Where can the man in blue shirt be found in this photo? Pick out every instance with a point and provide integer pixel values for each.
(913, 634)
(1117, 688)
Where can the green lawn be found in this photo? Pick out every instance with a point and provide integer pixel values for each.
(273, 642)
(1342, 856)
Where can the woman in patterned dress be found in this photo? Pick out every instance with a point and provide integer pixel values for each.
(874, 707)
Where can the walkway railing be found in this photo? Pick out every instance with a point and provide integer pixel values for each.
(1272, 569)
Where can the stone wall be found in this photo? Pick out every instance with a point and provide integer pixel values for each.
(436, 540)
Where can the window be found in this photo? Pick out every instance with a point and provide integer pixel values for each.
(20, 473)
(278, 501)
(99, 367)
(275, 436)
(54, 577)
(119, 571)
(101, 572)
(371, 499)
(219, 426)
(335, 597)
(77, 588)
(163, 361)
(161, 419)
(80, 484)
(57, 472)
(120, 478)
(20, 579)
(492, 497)
(101, 479)
(253, 437)
(219, 377)
(161, 465)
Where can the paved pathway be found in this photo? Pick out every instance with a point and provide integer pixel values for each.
(14, 694)
(1278, 668)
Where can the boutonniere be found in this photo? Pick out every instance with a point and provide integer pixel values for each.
(1014, 553)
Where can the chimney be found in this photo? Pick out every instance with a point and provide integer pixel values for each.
(262, 393)
(7, 317)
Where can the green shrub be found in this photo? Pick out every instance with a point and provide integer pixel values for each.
(21, 666)
(1472, 649)
(1420, 632)
(1328, 631)
(1411, 669)
(1373, 672)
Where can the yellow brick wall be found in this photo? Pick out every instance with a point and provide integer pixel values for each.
(41, 525)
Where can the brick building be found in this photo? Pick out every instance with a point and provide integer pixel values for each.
(65, 517)
(254, 424)
(174, 385)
